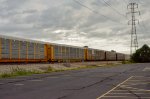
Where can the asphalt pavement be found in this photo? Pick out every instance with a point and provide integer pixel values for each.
(130, 81)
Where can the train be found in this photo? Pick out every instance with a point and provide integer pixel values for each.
(22, 50)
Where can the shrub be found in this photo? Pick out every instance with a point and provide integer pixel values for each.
(142, 55)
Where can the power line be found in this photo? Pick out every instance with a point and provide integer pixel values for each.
(92, 10)
(139, 1)
(142, 23)
(125, 2)
(108, 4)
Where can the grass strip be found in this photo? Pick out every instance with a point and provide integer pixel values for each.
(23, 72)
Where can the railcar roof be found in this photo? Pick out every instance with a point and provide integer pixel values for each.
(44, 42)
(21, 39)
(35, 41)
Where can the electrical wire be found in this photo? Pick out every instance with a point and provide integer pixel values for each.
(125, 2)
(142, 23)
(108, 4)
(94, 11)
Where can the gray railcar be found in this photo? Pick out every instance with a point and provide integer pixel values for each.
(18, 50)
(110, 56)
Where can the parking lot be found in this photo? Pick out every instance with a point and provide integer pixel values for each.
(130, 81)
(135, 87)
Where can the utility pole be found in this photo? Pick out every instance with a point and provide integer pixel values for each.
(134, 41)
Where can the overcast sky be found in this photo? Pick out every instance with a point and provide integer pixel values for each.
(67, 22)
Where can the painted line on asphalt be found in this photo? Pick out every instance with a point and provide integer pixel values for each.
(53, 77)
(126, 97)
(36, 80)
(136, 84)
(127, 93)
(1, 83)
(117, 93)
(136, 80)
(18, 84)
(66, 75)
(127, 87)
(114, 88)
(138, 77)
(146, 69)
(132, 90)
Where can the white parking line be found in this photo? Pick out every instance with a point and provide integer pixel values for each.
(114, 88)
(137, 83)
(132, 90)
(126, 97)
(18, 84)
(127, 93)
(36, 80)
(53, 77)
(146, 69)
(121, 90)
(138, 77)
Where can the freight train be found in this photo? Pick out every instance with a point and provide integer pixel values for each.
(22, 50)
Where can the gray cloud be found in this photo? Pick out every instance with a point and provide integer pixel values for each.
(65, 21)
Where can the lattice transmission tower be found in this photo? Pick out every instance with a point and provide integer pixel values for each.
(133, 10)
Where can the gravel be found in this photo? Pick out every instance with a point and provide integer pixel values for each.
(6, 68)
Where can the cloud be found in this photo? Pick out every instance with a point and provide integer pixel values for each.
(67, 22)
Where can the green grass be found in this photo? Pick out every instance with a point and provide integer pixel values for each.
(49, 69)
(5, 75)
(18, 72)
(127, 62)
(23, 72)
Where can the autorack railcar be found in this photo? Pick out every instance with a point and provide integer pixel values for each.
(120, 56)
(63, 53)
(110, 56)
(94, 54)
(21, 50)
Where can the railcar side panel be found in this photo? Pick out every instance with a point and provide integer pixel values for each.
(120, 57)
(110, 56)
(66, 53)
(127, 57)
(95, 55)
(12, 50)
(17, 50)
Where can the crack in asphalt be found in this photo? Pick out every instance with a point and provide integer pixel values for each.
(84, 87)
(61, 97)
(139, 97)
(33, 78)
(107, 78)
(45, 76)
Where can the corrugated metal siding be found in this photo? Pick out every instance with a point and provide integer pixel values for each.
(30, 50)
(89, 57)
(5, 48)
(67, 53)
(15, 49)
(120, 57)
(102, 55)
(42, 51)
(36, 51)
(0, 48)
(127, 57)
(94, 54)
(110, 56)
(23, 50)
